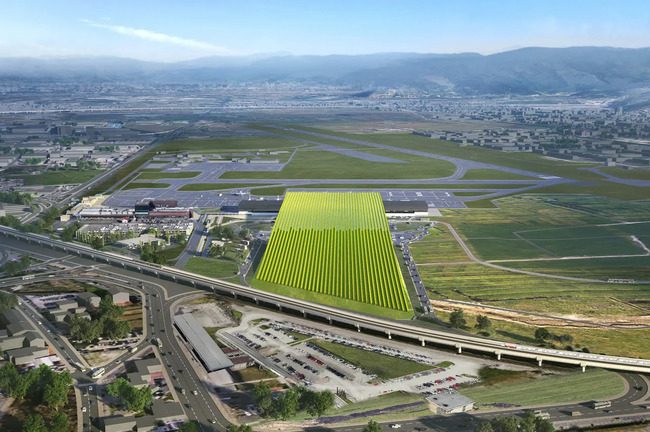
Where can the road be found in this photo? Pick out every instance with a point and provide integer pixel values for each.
(316, 311)
(160, 296)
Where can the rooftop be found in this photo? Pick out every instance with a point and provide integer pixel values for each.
(206, 348)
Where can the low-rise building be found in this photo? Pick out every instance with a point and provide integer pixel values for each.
(451, 403)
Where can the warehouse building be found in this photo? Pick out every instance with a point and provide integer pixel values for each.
(272, 208)
(206, 349)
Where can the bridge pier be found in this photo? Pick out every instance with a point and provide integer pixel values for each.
(389, 335)
(256, 300)
(234, 294)
(459, 348)
(279, 306)
(498, 353)
(422, 342)
(358, 328)
(583, 366)
(304, 314)
(539, 361)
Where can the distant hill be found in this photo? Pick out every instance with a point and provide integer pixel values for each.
(582, 70)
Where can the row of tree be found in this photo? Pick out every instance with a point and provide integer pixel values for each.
(16, 267)
(130, 397)
(40, 385)
(457, 320)
(16, 198)
(291, 401)
(528, 423)
(105, 322)
(36, 423)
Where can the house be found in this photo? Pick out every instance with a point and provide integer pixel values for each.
(22, 356)
(89, 299)
(121, 298)
(164, 411)
(145, 371)
(450, 403)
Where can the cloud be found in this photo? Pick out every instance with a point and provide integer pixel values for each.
(160, 37)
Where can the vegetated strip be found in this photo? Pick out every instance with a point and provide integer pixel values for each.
(197, 187)
(143, 185)
(338, 244)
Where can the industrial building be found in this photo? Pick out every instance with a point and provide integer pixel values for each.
(272, 207)
(206, 349)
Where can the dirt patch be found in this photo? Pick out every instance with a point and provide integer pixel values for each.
(546, 320)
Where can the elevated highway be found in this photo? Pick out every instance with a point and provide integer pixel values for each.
(390, 328)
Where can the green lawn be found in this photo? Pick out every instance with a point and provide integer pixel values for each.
(60, 177)
(636, 173)
(595, 384)
(492, 174)
(226, 144)
(214, 186)
(212, 267)
(383, 366)
(151, 175)
(280, 190)
(527, 161)
(316, 164)
(143, 185)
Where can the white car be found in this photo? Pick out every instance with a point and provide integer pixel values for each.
(194, 392)
(395, 426)
(83, 409)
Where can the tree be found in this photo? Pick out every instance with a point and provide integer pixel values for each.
(109, 309)
(286, 405)
(528, 423)
(483, 323)
(55, 393)
(316, 403)
(192, 426)
(484, 427)
(97, 242)
(132, 398)
(542, 335)
(543, 425)
(7, 301)
(263, 397)
(244, 233)
(372, 426)
(505, 424)
(457, 319)
(59, 423)
(240, 428)
(34, 423)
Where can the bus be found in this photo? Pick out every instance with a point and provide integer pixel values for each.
(97, 373)
(79, 366)
(601, 404)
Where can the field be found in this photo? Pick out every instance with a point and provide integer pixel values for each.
(212, 267)
(149, 175)
(143, 185)
(335, 244)
(316, 164)
(595, 384)
(60, 177)
(490, 174)
(638, 173)
(383, 366)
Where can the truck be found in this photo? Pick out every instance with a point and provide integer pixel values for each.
(97, 373)
(601, 404)
(157, 342)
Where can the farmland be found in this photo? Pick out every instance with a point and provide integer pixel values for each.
(336, 245)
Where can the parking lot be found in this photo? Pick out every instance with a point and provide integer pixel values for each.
(289, 346)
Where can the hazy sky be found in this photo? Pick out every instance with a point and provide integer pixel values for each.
(177, 30)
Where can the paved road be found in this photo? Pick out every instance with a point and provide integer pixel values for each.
(614, 179)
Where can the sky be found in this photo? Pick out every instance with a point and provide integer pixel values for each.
(168, 31)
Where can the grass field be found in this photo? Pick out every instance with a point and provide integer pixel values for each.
(615, 342)
(150, 175)
(538, 226)
(337, 244)
(223, 144)
(383, 366)
(528, 161)
(212, 267)
(637, 173)
(316, 164)
(215, 186)
(491, 174)
(60, 177)
(595, 384)
(143, 185)
(280, 190)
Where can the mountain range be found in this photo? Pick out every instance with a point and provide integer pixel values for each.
(579, 70)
